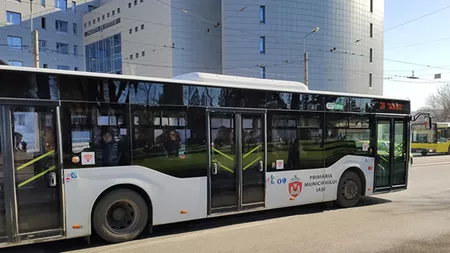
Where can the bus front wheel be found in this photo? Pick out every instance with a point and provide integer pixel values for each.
(120, 216)
(349, 190)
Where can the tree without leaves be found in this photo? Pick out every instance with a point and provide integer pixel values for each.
(438, 104)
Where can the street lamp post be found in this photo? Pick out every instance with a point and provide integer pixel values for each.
(306, 54)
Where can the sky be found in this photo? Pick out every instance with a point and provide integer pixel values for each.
(400, 45)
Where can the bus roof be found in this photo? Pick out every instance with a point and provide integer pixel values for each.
(203, 79)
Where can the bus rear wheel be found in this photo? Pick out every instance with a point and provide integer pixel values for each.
(424, 153)
(349, 190)
(120, 216)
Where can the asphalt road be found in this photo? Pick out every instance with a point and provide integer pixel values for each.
(415, 220)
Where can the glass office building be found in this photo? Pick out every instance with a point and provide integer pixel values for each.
(105, 55)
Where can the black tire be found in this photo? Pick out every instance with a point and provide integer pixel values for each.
(120, 216)
(349, 190)
(424, 153)
(448, 152)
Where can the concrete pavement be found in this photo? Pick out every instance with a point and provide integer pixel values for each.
(415, 220)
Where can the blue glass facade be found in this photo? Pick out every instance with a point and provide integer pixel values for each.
(105, 55)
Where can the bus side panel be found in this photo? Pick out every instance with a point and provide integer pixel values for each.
(291, 188)
(169, 195)
(365, 164)
(316, 185)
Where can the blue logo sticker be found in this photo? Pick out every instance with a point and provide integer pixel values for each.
(74, 175)
(284, 180)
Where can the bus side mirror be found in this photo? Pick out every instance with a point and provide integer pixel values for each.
(428, 122)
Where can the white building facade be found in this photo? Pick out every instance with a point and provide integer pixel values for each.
(346, 54)
(60, 33)
(263, 38)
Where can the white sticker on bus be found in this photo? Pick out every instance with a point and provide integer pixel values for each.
(87, 158)
(280, 164)
(365, 146)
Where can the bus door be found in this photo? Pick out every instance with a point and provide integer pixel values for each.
(237, 154)
(392, 157)
(30, 172)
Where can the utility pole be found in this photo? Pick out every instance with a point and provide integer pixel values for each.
(36, 48)
(305, 63)
(34, 39)
(305, 57)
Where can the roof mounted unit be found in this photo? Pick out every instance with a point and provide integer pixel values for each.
(237, 80)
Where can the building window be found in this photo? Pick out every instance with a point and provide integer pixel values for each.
(107, 15)
(44, 23)
(370, 80)
(371, 6)
(104, 56)
(43, 3)
(118, 10)
(137, 55)
(131, 57)
(262, 45)
(371, 55)
(89, 23)
(98, 19)
(135, 2)
(62, 26)
(45, 66)
(13, 18)
(103, 17)
(143, 53)
(63, 67)
(85, 25)
(142, 27)
(136, 29)
(42, 45)
(75, 28)
(142, 1)
(131, 31)
(14, 42)
(62, 48)
(15, 63)
(75, 50)
(74, 7)
(262, 14)
(129, 5)
(61, 4)
(76, 68)
(113, 13)
(93, 21)
(371, 30)
(262, 72)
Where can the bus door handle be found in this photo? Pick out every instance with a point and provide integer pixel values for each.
(261, 166)
(214, 168)
(52, 179)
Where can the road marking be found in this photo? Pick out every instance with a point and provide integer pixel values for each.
(429, 164)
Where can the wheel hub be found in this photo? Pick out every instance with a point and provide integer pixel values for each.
(350, 189)
(121, 217)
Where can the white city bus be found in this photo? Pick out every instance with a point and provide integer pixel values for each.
(85, 153)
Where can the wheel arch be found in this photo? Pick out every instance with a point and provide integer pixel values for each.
(132, 187)
(361, 176)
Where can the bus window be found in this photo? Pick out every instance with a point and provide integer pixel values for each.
(102, 129)
(295, 139)
(170, 140)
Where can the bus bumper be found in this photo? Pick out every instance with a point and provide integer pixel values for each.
(423, 150)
